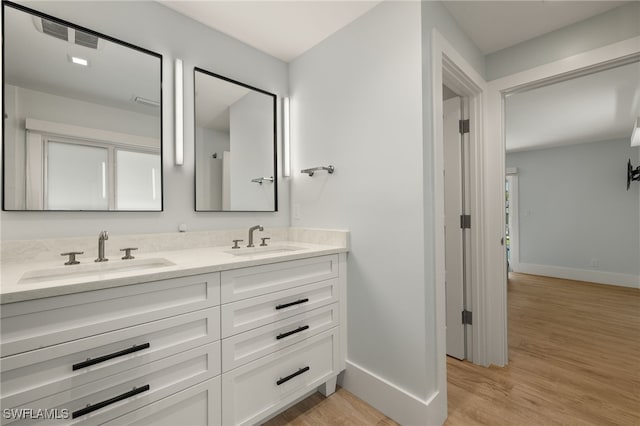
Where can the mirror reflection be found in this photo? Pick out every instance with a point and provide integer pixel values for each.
(235, 145)
(82, 116)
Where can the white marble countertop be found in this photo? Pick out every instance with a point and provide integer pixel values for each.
(15, 288)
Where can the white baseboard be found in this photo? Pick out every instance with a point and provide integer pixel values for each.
(588, 275)
(394, 402)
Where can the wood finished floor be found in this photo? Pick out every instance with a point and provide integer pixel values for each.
(574, 359)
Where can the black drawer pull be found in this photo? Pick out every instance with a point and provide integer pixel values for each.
(88, 409)
(94, 361)
(297, 302)
(289, 333)
(291, 376)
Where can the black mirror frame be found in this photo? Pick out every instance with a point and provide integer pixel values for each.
(275, 143)
(6, 3)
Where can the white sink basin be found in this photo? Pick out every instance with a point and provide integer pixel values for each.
(256, 251)
(88, 269)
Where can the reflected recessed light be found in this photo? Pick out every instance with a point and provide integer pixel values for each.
(79, 61)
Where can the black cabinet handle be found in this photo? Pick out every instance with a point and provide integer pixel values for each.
(291, 376)
(297, 302)
(88, 409)
(289, 333)
(94, 361)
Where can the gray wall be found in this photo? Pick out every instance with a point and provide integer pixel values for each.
(359, 102)
(574, 207)
(615, 25)
(209, 169)
(251, 141)
(157, 28)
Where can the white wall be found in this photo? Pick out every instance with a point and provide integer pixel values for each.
(360, 101)
(615, 25)
(157, 28)
(574, 207)
(209, 169)
(356, 104)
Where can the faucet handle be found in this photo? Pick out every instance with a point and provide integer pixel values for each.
(127, 253)
(72, 257)
(264, 241)
(235, 244)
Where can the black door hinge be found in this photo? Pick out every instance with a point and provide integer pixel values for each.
(465, 221)
(467, 318)
(464, 126)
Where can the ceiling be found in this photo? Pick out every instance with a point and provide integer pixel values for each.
(115, 76)
(214, 97)
(286, 29)
(495, 25)
(596, 107)
(283, 29)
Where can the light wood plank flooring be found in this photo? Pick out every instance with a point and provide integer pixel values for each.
(341, 408)
(574, 359)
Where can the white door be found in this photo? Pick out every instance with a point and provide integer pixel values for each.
(454, 244)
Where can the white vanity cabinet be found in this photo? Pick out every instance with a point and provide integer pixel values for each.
(283, 335)
(97, 355)
(224, 348)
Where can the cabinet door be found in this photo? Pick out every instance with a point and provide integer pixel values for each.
(253, 344)
(247, 314)
(238, 284)
(197, 406)
(35, 324)
(113, 396)
(258, 389)
(32, 375)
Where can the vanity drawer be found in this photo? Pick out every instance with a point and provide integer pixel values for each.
(39, 323)
(242, 283)
(36, 374)
(129, 390)
(248, 314)
(258, 389)
(248, 346)
(200, 405)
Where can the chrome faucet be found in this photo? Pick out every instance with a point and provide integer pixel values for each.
(104, 235)
(251, 231)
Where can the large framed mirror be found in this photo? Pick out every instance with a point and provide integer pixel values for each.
(82, 118)
(235, 145)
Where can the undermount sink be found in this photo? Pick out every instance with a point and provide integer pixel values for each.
(255, 251)
(76, 271)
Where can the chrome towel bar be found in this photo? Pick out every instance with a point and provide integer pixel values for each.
(312, 170)
(262, 179)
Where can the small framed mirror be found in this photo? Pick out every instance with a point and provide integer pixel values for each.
(235, 145)
(82, 118)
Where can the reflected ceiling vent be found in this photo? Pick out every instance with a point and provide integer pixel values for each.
(54, 29)
(86, 40)
(63, 32)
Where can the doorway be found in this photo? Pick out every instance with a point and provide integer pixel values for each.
(607, 57)
(456, 223)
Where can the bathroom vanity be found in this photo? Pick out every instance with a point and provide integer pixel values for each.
(202, 336)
